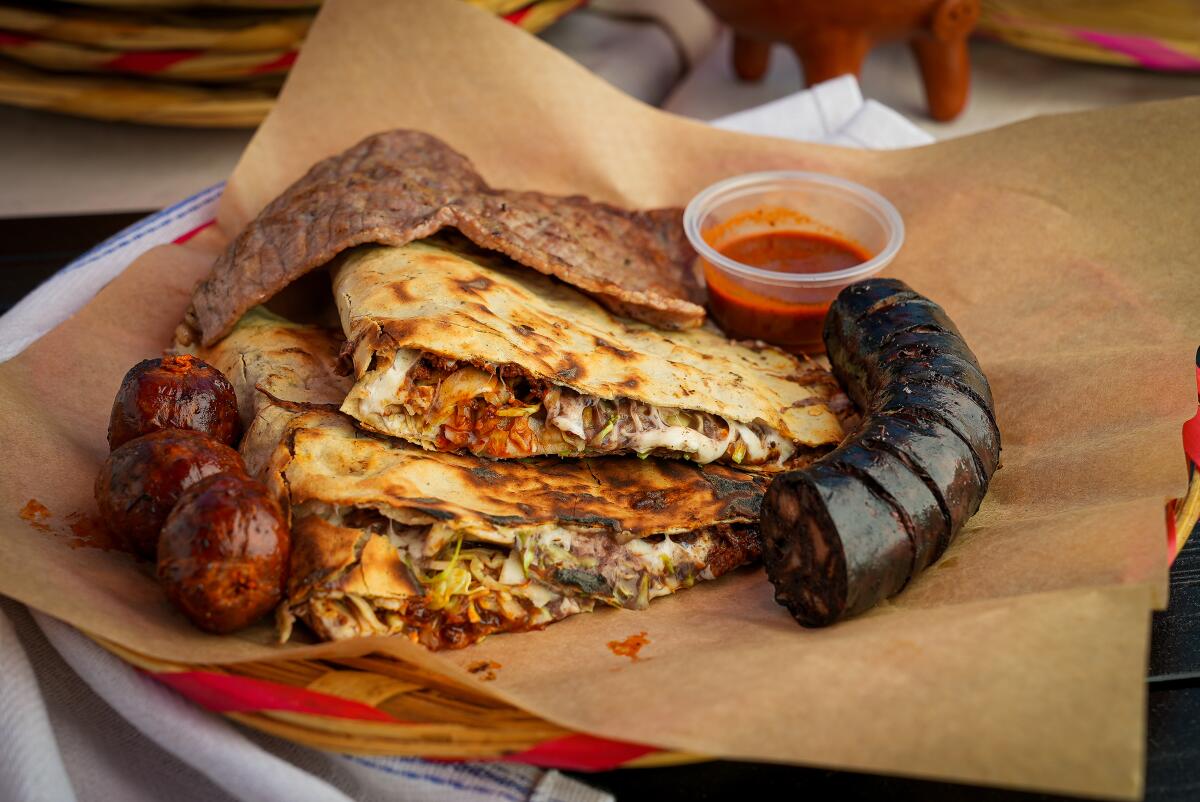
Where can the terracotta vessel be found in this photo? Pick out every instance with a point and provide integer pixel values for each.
(833, 38)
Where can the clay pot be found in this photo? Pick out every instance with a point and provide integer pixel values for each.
(833, 38)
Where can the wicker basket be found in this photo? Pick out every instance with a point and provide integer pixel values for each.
(233, 33)
(378, 705)
(207, 76)
(1151, 34)
(165, 65)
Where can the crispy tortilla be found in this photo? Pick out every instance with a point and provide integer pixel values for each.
(402, 185)
(274, 364)
(456, 349)
(445, 549)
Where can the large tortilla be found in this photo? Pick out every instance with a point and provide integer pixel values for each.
(399, 186)
(379, 526)
(460, 303)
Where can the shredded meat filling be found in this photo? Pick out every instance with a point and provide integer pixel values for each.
(468, 589)
(498, 411)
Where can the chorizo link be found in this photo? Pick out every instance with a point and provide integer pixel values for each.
(860, 523)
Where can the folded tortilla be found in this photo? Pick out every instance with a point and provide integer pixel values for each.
(456, 349)
(446, 549)
(274, 365)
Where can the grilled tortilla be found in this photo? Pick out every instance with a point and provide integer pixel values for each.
(456, 349)
(445, 549)
(274, 364)
(401, 185)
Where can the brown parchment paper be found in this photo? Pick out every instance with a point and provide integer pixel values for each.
(1063, 247)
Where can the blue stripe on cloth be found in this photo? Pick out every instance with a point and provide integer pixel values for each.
(145, 227)
(482, 770)
(434, 778)
(495, 772)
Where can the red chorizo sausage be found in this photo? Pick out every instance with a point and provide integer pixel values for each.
(141, 480)
(174, 392)
(223, 554)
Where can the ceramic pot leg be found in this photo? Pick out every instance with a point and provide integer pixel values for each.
(832, 53)
(750, 58)
(945, 73)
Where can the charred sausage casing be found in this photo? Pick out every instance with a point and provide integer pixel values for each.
(141, 480)
(858, 525)
(223, 554)
(174, 392)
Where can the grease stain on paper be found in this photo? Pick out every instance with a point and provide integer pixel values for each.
(81, 530)
(629, 647)
(89, 532)
(37, 515)
(484, 669)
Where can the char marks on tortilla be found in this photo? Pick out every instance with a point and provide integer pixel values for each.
(388, 539)
(327, 459)
(446, 297)
(399, 186)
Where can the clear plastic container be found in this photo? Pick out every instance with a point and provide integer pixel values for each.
(786, 308)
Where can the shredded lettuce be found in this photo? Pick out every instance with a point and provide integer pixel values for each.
(603, 433)
(518, 412)
(451, 581)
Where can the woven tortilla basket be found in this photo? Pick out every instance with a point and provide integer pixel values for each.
(378, 705)
(1161, 35)
(192, 88)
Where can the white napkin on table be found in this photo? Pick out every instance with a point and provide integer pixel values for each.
(123, 736)
(833, 112)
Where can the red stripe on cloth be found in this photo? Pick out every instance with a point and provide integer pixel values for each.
(276, 65)
(518, 15)
(8, 38)
(1172, 535)
(150, 61)
(581, 753)
(182, 238)
(1191, 429)
(224, 693)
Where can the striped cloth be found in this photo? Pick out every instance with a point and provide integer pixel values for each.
(90, 727)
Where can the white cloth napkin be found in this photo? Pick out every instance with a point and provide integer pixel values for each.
(88, 726)
(123, 736)
(833, 112)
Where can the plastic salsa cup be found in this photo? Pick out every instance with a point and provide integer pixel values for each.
(782, 225)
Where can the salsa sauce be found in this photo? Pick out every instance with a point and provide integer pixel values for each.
(746, 314)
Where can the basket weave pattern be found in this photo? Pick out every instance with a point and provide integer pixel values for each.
(377, 705)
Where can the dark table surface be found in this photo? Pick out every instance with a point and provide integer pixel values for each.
(33, 248)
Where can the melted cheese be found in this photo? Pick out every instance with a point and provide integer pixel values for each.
(567, 414)
(677, 438)
(380, 390)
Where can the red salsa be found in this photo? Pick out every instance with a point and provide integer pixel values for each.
(746, 314)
